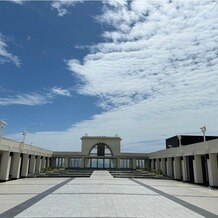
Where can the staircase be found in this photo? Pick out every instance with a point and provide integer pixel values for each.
(116, 173)
(64, 173)
(135, 174)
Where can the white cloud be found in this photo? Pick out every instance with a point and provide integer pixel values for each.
(6, 56)
(18, 1)
(155, 75)
(60, 91)
(62, 6)
(33, 99)
(25, 99)
(59, 5)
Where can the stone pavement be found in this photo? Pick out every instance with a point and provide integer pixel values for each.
(101, 195)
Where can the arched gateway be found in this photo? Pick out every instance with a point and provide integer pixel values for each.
(100, 152)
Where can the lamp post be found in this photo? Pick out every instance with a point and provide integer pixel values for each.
(203, 129)
(180, 140)
(3, 124)
(24, 136)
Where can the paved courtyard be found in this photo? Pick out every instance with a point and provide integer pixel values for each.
(101, 195)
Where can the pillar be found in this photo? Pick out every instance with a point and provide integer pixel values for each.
(48, 162)
(114, 161)
(43, 163)
(157, 164)
(197, 167)
(38, 164)
(147, 164)
(118, 163)
(25, 165)
(16, 166)
(54, 162)
(152, 164)
(32, 164)
(5, 166)
(169, 167)
(177, 168)
(213, 170)
(86, 161)
(184, 169)
(163, 166)
(82, 162)
(66, 162)
(133, 163)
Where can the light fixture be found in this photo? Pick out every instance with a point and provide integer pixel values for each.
(203, 130)
(24, 136)
(180, 140)
(3, 124)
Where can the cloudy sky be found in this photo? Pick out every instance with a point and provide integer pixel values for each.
(145, 70)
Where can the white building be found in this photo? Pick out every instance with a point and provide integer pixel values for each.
(196, 163)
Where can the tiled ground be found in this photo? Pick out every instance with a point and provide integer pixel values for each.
(202, 197)
(15, 192)
(103, 196)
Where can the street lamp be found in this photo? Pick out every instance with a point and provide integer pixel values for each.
(203, 129)
(24, 136)
(180, 140)
(3, 124)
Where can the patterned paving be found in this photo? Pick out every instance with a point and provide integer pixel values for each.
(101, 195)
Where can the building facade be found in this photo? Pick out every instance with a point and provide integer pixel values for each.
(196, 163)
(18, 160)
(99, 152)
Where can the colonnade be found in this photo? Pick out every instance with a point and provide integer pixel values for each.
(18, 165)
(200, 169)
(18, 160)
(84, 162)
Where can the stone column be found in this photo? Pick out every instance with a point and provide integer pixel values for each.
(5, 166)
(133, 163)
(43, 162)
(163, 166)
(82, 162)
(169, 167)
(197, 167)
(118, 163)
(16, 166)
(66, 162)
(46, 162)
(25, 165)
(212, 170)
(114, 162)
(38, 164)
(54, 162)
(157, 167)
(177, 168)
(184, 169)
(147, 164)
(86, 161)
(152, 164)
(32, 164)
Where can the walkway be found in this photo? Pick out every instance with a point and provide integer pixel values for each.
(101, 195)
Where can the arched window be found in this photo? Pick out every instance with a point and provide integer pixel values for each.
(100, 149)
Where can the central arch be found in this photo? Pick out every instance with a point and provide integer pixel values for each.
(101, 157)
(101, 149)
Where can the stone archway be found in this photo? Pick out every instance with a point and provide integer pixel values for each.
(101, 149)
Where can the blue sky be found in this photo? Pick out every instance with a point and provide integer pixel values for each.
(42, 41)
(145, 70)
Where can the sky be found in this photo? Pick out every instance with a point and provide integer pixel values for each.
(145, 70)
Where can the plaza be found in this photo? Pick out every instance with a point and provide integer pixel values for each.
(101, 181)
(101, 195)
(194, 163)
(108, 108)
